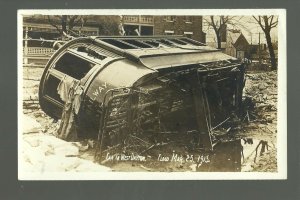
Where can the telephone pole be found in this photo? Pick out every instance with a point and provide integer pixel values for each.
(259, 51)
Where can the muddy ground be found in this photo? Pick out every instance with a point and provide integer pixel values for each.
(257, 124)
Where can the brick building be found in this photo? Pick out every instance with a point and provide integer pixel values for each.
(190, 26)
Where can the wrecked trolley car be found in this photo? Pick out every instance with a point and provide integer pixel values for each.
(144, 85)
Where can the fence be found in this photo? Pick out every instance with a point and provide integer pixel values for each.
(38, 51)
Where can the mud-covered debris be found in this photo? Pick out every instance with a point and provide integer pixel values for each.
(267, 162)
(260, 97)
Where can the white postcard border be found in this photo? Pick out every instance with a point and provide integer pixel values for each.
(281, 112)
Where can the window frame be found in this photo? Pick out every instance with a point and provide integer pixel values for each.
(169, 18)
(59, 74)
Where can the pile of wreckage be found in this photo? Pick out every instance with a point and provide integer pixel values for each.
(261, 97)
(135, 92)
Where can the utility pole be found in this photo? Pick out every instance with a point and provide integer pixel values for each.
(121, 26)
(25, 59)
(259, 51)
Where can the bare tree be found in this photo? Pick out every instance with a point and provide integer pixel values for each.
(108, 25)
(267, 23)
(64, 24)
(219, 23)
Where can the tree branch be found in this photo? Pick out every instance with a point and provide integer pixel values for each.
(72, 21)
(213, 24)
(272, 16)
(59, 16)
(54, 25)
(274, 24)
(259, 22)
(76, 22)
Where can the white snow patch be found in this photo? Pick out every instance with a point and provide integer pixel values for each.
(30, 125)
(45, 153)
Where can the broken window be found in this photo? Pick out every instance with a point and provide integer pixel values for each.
(91, 53)
(51, 88)
(138, 43)
(73, 66)
(178, 41)
(152, 43)
(119, 44)
(192, 42)
(166, 42)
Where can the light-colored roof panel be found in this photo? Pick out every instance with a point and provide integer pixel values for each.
(167, 61)
(234, 36)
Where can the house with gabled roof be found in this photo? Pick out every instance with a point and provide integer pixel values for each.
(236, 44)
(233, 42)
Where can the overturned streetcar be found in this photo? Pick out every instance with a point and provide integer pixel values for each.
(143, 86)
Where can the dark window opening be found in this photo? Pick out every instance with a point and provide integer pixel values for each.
(51, 88)
(152, 43)
(91, 53)
(166, 42)
(138, 44)
(193, 42)
(118, 44)
(178, 41)
(131, 29)
(146, 30)
(73, 66)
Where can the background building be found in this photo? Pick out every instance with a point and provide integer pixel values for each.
(138, 25)
(190, 26)
(38, 30)
(236, 44)
(233, 42)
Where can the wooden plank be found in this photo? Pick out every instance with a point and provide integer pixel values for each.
(201, 114)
